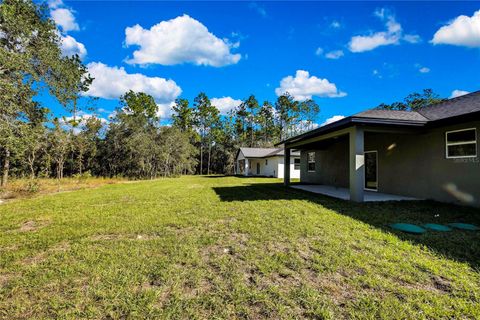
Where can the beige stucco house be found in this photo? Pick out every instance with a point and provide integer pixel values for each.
(431, 153)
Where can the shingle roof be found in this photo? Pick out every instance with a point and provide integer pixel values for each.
(391, 114)
(449, 109)
(264, 152)
(453, 107)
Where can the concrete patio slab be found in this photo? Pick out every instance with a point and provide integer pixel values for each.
(344, 193)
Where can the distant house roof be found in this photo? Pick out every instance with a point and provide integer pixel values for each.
(264, 152)
(451, 109)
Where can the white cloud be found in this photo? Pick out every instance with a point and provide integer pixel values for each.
(392, 36)
(335, 24)
(164, 110)
(332, 120)
(65, 19)
(462, 31)
(225, 104)
(422, 69)
(336, 54)
(319, 51)
(458, 93)
(71, 46)
(112, 82)
(53, 4)
(179, 40)
(412, 38)
(303, 86)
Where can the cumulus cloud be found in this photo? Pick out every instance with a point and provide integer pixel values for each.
(225, 104)
(335, 54)
(392, 36)
(462, 31)
(458, 93)
(164, 110)
(179, 40)
(332, 120)
(65, 19)
(112, 82)
(53, 4)
(319, 51)
(71, 46)
(303, 86)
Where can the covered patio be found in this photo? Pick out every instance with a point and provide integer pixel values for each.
(344, 193)
(342, 159)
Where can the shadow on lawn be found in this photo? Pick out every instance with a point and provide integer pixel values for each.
(459, 245)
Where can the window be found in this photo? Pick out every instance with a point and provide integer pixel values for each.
(311, 161)
(461, 143)
(296, 164)
(266, 162)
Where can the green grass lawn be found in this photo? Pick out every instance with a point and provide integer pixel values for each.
(226, 247)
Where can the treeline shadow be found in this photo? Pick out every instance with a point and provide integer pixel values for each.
(457, 244)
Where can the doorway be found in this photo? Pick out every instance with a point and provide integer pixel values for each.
(371, 170)
(258, 167)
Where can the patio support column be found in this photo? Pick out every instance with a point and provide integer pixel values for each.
(247, 165)
(286, 167)
(357, 162)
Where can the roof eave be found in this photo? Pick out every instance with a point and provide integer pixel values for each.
(352, 120)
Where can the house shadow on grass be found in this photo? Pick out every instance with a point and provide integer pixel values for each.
(458, 245)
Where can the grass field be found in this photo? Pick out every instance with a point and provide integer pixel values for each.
(226, 247)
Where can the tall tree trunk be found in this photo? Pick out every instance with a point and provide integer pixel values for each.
(31, 162)
(6, 167)
(201, 156)
(209, 153)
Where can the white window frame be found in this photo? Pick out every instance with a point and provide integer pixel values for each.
(447, 144)
(308, 160)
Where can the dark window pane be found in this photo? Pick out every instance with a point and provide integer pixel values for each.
(461, 136)
(311, 166)
(296, 162)
(462, 150)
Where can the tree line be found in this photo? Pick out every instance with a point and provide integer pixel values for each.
(132, 143)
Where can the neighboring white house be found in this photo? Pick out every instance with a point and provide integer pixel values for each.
(267, 162)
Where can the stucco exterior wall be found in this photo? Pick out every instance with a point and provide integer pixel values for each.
(273, 167)
(417, 166)
(294, 174)
(408, 164)
(331, 165)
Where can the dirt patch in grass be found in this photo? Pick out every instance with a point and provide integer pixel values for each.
(5, 278)
(133, 236)
(43, 255)
(31, 225)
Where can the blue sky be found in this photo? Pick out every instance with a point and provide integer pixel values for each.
(347, 56)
